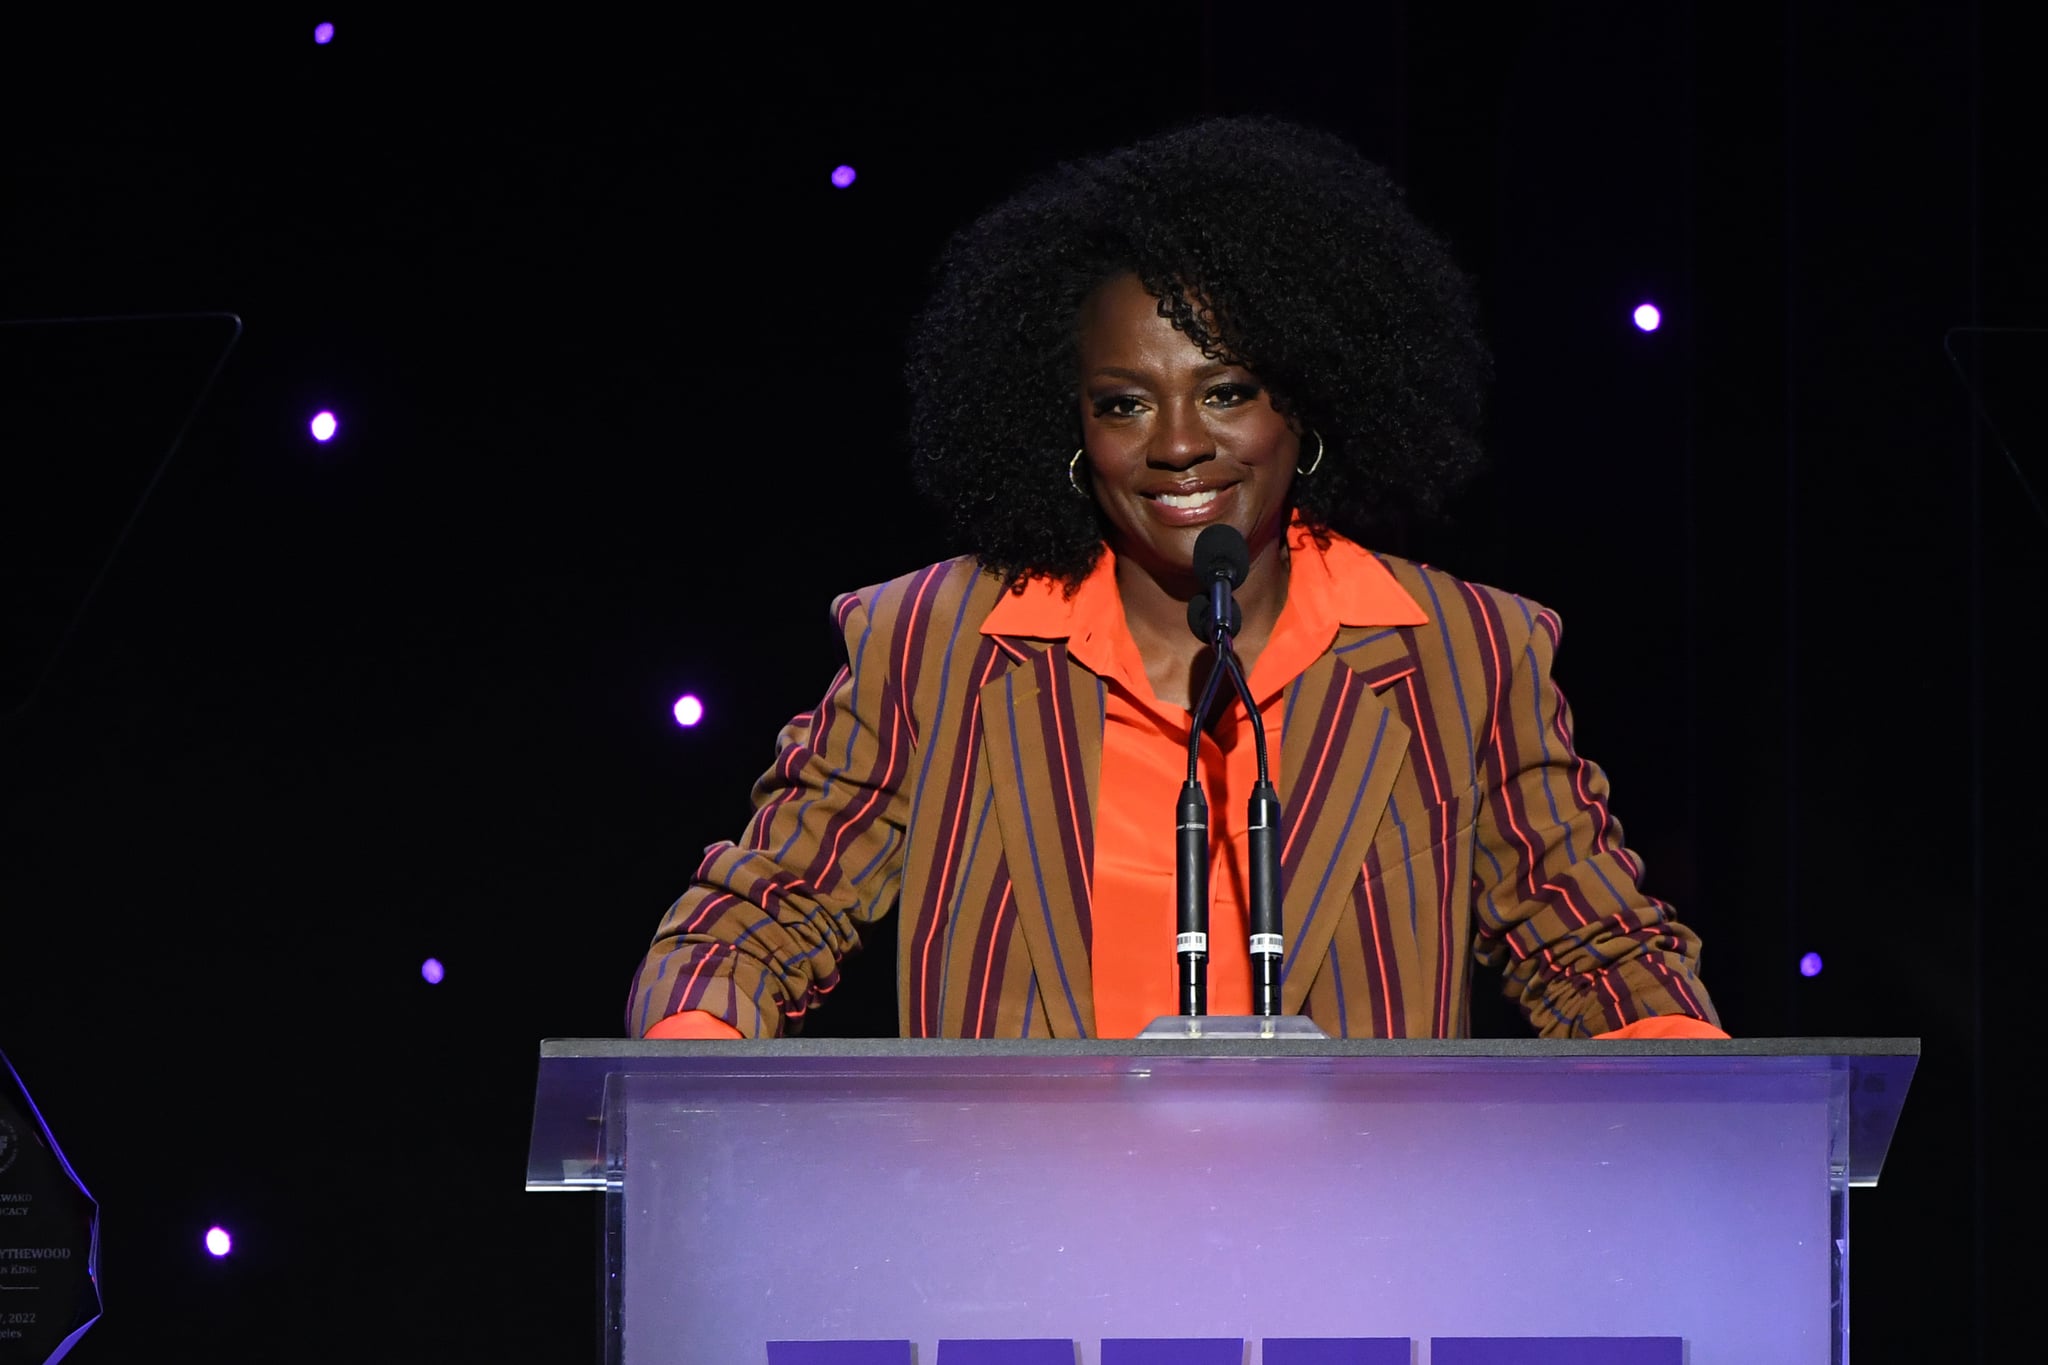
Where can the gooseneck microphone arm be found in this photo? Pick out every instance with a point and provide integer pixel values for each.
(1263, 827)
(1191, 869)
(1221, 562)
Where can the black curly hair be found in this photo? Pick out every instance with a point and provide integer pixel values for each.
(1270, 245)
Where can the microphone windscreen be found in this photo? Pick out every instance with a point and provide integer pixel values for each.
(1220, 552)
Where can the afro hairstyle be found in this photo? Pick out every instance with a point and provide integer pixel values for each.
(1269, 245)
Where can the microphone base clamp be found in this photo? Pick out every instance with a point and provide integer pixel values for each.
(1233, 1026)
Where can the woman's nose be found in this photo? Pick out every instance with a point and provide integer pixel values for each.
(1182, 438)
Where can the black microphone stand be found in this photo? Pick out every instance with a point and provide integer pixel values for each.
(1213, 616)
(1191, 866)
(1221, 618)
(1267, 942)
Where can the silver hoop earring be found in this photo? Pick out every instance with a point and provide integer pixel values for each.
(1312, 464)
(1073, 467)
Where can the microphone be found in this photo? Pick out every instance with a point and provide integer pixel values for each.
(1221, 562)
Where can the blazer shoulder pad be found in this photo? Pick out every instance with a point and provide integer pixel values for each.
(1461, 602)
(938, 591)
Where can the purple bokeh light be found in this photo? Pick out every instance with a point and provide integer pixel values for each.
(218, 1243)
(324, 426)
(431, 971)
(688, 710)
(323, 33)
(1647, 317)
(1810, 965)
(842, 176)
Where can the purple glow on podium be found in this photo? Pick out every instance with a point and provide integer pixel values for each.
(1810, 965)
(323, 426)
(218, 1243)
(1647, 317)
(842, 176)
(323, 33)
(431, 971)
(688, 710)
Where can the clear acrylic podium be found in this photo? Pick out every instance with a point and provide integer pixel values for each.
(1415, 1192)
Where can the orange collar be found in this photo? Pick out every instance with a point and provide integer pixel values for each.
(1343, 585)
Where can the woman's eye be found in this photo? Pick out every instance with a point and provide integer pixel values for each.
(1116, 405)
(1230, 395)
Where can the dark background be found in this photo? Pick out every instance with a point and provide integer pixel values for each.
(613, 359)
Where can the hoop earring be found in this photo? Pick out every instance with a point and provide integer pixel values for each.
(1073, 466)
(1312, 464)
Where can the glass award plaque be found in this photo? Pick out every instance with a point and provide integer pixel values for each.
(49, 1237)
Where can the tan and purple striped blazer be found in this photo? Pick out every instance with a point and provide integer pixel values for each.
(1435, 814)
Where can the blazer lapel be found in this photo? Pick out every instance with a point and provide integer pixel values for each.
(1042, 728)
(1341, 750)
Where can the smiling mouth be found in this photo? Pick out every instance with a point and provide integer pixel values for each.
(1189, 502)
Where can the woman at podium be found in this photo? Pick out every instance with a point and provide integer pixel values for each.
(1241, 324)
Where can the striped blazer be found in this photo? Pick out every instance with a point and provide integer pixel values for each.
(1436, 816)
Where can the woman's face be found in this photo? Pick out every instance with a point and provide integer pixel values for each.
(1176, 441)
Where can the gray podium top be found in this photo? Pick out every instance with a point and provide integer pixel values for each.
(567, 1148)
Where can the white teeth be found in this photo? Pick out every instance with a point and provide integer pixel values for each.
(1187, 501)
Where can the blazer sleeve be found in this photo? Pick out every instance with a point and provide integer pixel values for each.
(1559, 899)
(759, 935)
